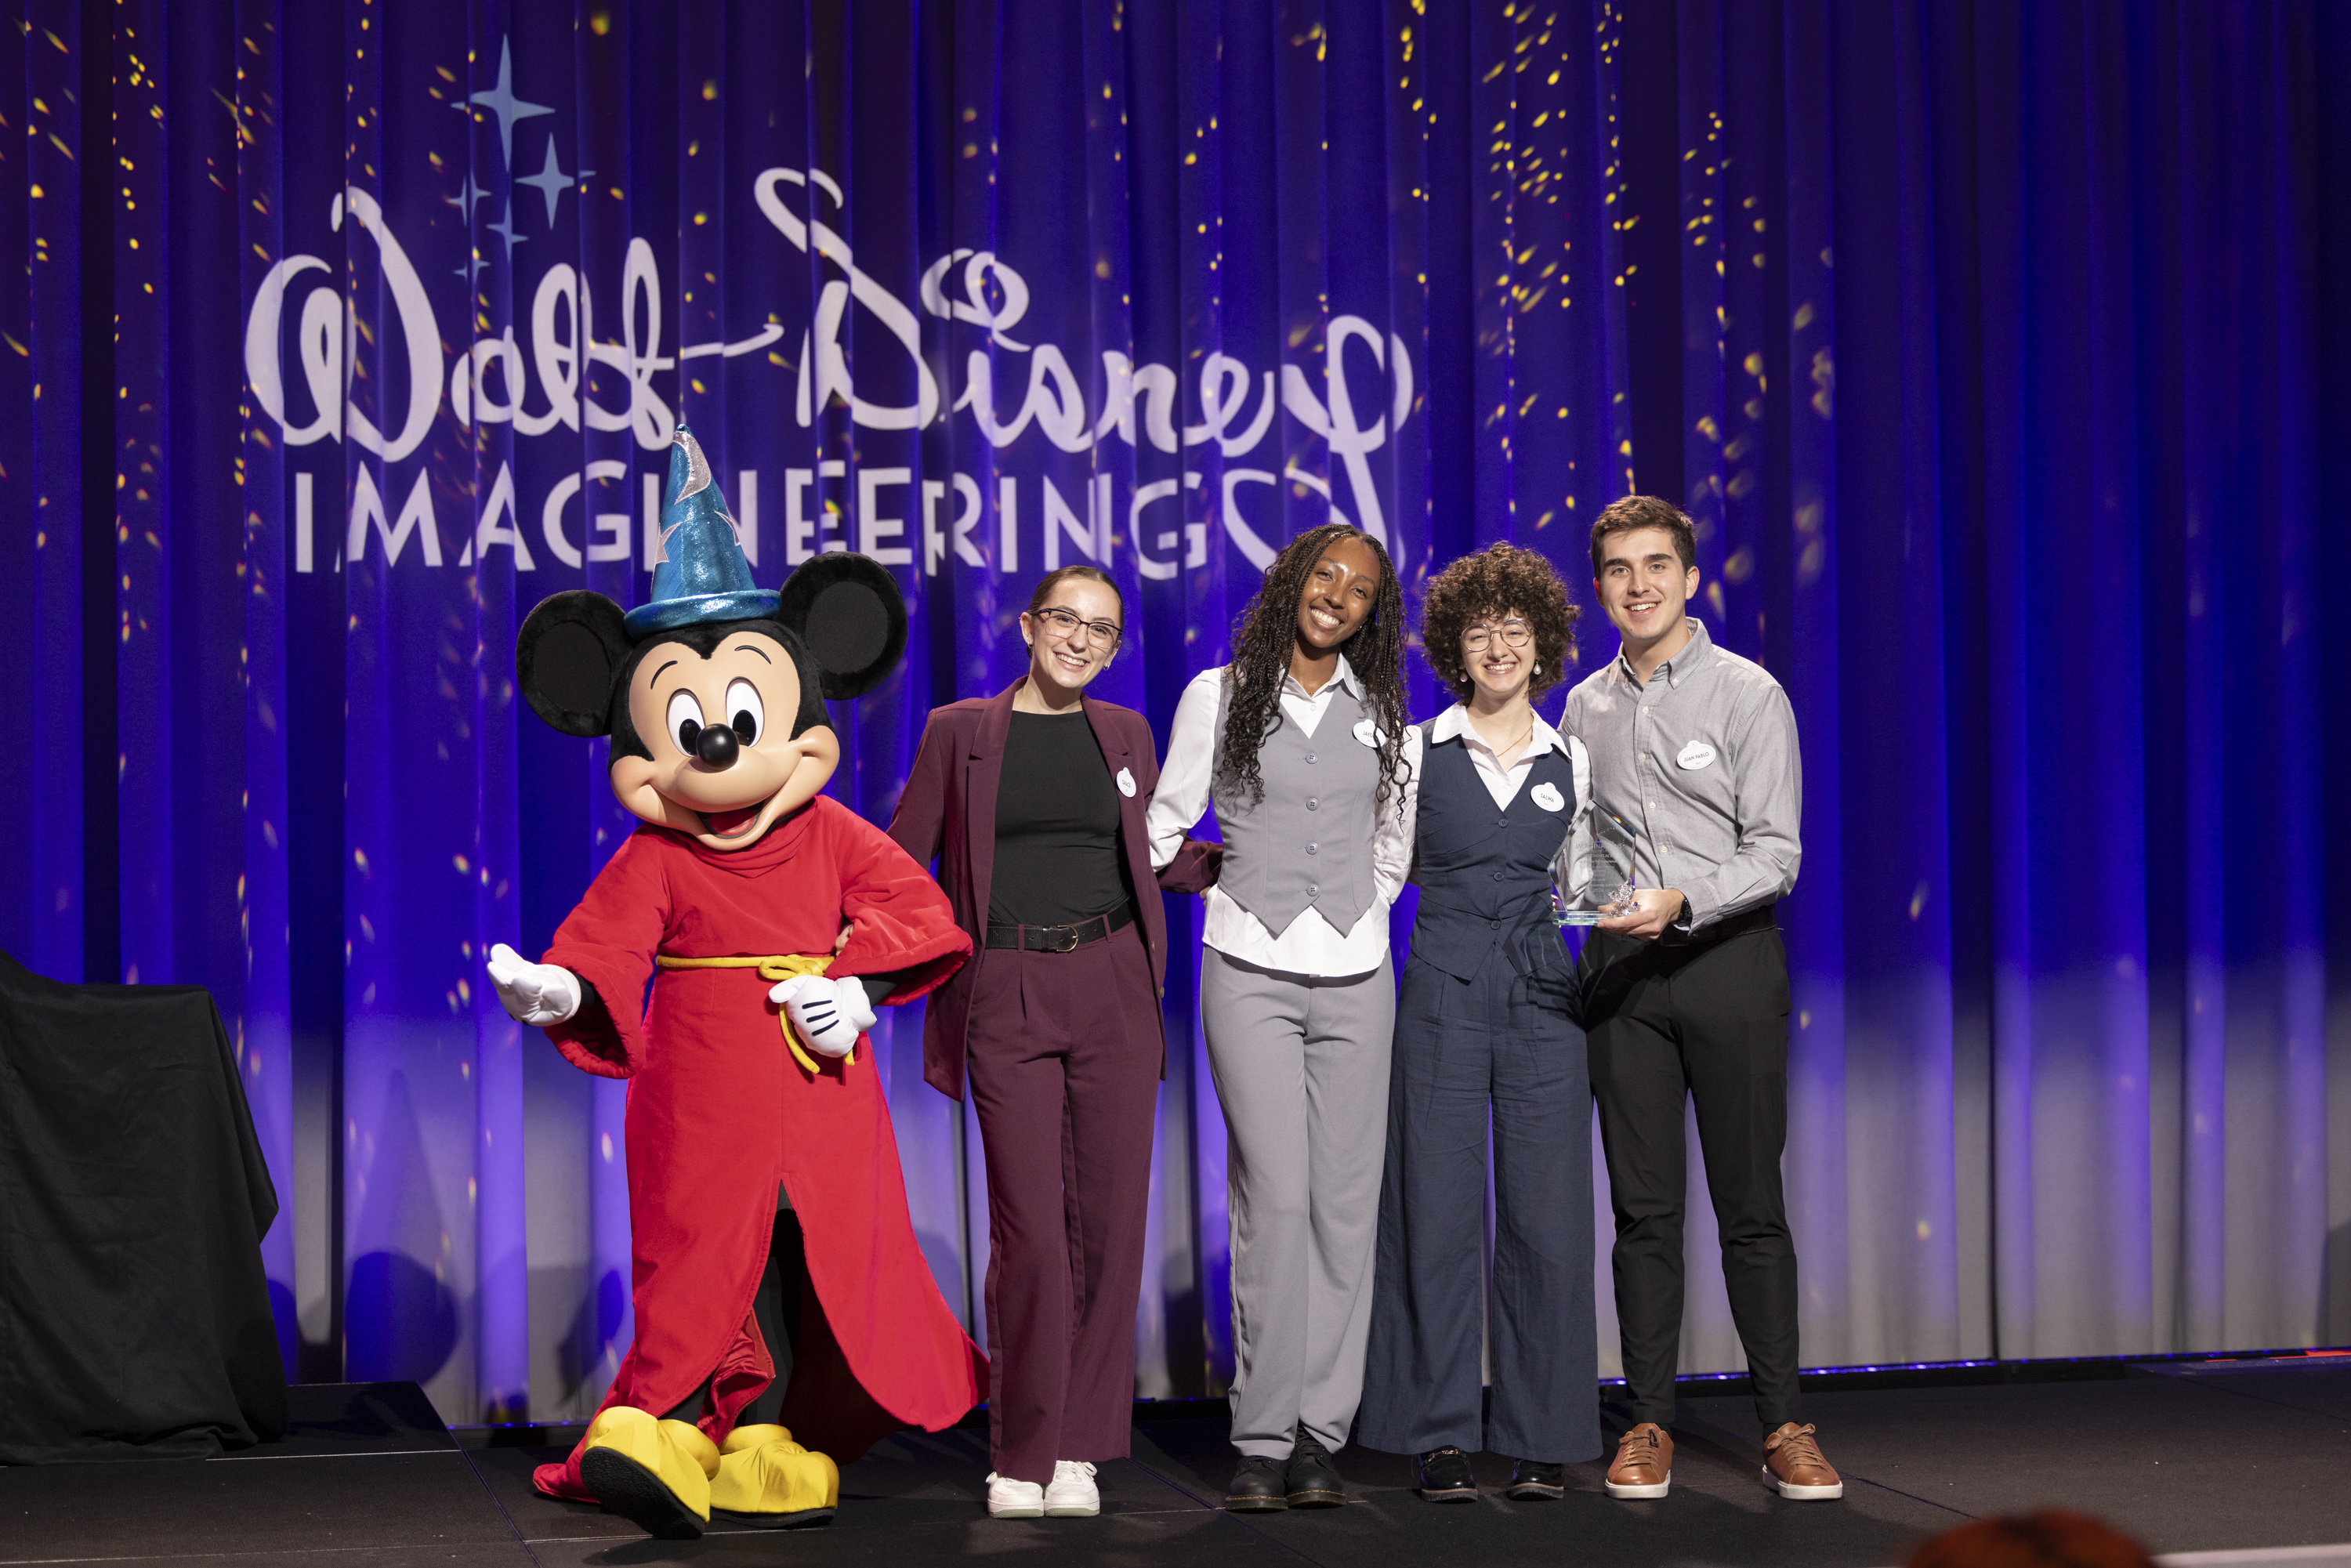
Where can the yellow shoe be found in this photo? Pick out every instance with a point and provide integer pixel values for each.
(767, 1480)
(655, 1474)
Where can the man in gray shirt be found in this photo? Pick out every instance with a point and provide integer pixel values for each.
(1686, 996)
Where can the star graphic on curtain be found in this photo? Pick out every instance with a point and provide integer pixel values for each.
(504, 229)
(501, 101)
(551, 180)
(467, 194)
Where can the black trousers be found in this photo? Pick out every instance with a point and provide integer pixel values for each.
(1709, 1021)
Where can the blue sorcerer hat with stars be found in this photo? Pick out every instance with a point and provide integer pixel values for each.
(699, 571)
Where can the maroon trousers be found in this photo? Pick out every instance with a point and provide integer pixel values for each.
(1063, 1052)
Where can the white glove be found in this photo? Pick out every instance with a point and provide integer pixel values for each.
(829, 1013)
(536, 994)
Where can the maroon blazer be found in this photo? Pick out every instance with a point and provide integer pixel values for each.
(948, 813)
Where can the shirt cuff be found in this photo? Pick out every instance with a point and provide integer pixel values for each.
(1700, 903)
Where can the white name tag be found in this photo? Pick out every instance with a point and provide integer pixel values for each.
(1697, 753)
(1126, 783)
(1366, 733)
(1546, 795)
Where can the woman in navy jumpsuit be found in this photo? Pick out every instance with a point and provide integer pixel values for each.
(1485, 1035)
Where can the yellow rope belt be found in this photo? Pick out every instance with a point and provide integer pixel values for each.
(772, 970)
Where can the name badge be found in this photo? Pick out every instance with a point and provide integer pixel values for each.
(1546, 795)
(1126, 783)
(1366, 732)
(1697, 753)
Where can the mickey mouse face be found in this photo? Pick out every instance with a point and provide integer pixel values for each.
(720, 761)
(718, 728)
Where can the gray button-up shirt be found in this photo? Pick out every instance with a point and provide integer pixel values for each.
(1702, 764)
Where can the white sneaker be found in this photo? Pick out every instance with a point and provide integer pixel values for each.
(1072, 1494)
(1008, 1498)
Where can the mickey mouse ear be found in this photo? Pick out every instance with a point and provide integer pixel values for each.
(847, 612)
(566, 657)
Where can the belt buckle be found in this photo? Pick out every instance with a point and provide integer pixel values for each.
(1072, 932)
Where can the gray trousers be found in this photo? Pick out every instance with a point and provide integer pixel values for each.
(1302, 1069)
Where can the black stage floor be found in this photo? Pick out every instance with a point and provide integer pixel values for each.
(2243, 1463)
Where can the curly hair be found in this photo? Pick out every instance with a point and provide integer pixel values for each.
(1494, 582)
(1263, 638)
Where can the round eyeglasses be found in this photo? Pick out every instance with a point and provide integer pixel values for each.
(1514, 634)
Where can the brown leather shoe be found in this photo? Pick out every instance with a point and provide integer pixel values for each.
(1792, 1465)
(1644, 1465)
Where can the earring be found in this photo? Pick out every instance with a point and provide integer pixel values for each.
(1538, 669)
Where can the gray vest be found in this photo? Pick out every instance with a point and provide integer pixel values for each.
(1308, 844)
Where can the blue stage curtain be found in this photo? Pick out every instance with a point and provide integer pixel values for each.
(1999, 406)
(42, 573)
(1988, 346)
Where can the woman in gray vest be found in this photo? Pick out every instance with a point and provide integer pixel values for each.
(1299, 743)
(1484, 1030)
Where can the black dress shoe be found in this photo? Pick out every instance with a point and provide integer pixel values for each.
(1259, 1486)
(1443, 1476)
(1531, 1480)
(1313, 1480)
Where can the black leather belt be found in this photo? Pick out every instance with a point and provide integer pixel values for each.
(1763, 917)
(1061, 938)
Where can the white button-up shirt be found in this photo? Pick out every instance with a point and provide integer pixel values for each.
(1311, 946)
(1504, 783)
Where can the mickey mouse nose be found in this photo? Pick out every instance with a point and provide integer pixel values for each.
(716, 746)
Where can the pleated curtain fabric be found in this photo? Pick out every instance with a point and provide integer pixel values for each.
(1997, 351)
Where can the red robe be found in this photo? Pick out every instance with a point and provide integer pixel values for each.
(719, 1112)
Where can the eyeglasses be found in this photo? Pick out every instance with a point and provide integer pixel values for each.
(1061, 624)
(1514, 634)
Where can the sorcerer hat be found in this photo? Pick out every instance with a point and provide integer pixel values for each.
(699, 571)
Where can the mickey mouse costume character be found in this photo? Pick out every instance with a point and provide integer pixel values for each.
(777, 1286)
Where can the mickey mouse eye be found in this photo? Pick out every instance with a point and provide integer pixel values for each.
(685, 720)
(750, 714)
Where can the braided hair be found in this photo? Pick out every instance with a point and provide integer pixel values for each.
(1264, 637)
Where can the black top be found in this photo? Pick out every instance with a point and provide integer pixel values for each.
(1057, 852)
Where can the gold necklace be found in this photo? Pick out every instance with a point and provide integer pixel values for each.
(1502, 751)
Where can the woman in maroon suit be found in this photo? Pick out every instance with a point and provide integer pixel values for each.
(1033, 802)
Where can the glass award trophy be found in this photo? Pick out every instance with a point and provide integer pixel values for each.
(1592, 875)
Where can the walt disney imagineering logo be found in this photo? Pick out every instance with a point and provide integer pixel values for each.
(300, 322)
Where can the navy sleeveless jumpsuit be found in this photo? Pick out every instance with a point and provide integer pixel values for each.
(1484, 1035)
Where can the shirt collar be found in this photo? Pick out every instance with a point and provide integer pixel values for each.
(1453, 724)
(1695, 656)
(1344, 676)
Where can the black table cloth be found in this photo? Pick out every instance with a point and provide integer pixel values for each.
(135, 1318)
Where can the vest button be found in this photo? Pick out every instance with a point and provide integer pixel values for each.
(1310, 850)
(1497, 875)
(1493, 925)
(1310, 757)
(1312, 804)
(1312, 890)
